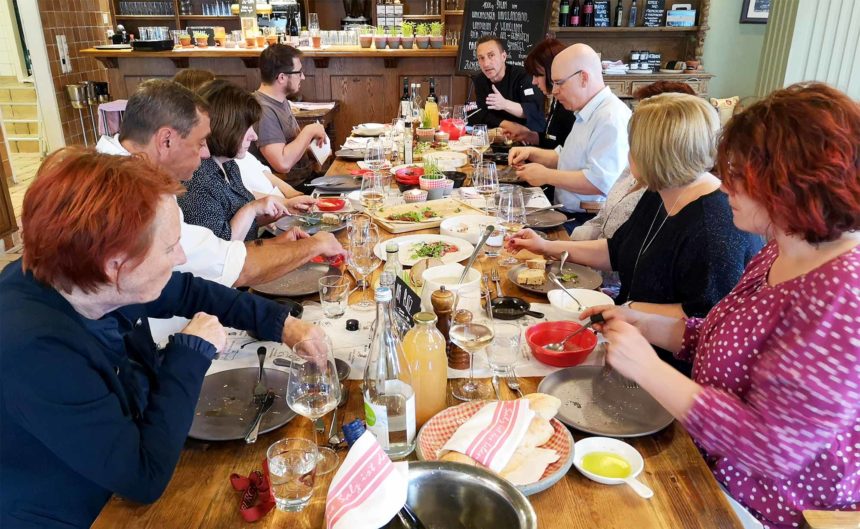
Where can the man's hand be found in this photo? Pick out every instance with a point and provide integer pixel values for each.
(533, 173)
(328, 245)
(315, 132)
(207, 327)
(515, 131)
(296, 331)
(300, 204)
(293, 234)
(496, 101)
(519, 155)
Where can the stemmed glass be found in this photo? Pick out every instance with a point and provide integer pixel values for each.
(313, 389)
(459, 119)
(444, 109)
(480, 141)
(472, 337)
(485, 179)
(512, 211)
(363, 259)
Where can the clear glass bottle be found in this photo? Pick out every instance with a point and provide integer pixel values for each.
(392, 260)
(389, 400)
(424, 347)
(387, 279)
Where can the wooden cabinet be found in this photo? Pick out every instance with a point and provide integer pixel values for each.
(7, 214)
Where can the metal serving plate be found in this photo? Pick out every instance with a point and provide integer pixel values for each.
(226, 406)
(603, 405)
(350, 154)
(303, 281)
(545, 219)
(587, 278)
(336, 183)
(286, 223)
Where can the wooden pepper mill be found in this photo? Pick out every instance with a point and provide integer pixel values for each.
(457, 357)
(443, 305)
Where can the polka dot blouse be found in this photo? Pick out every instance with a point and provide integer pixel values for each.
(778, 418)
(213, 196)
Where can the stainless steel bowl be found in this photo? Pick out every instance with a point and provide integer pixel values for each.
(457, 496)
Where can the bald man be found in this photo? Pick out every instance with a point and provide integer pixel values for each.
(595, 152)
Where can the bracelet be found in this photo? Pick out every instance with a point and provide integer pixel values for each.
(628, 304)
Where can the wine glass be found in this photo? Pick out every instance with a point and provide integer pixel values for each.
(363, 259)
(480, 141)
(444, 108)
(313, 389)
(372, 192)
(485, 178)
(512, 211)
(472, 337)
(374, 155)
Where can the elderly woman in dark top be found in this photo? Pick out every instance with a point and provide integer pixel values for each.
(679, 252)
(216, 198)
(89, 406)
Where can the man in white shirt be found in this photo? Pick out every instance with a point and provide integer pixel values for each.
(168, 124)
(595, 152)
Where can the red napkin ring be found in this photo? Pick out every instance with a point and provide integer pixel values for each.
(255, 487)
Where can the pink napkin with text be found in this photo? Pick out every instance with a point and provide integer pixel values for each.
(492, 435)
(368, 489)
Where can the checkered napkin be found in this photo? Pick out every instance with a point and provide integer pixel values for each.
(368, 489)
(492, 435)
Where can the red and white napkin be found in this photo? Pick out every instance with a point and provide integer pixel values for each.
(492, 435)
(368, 489)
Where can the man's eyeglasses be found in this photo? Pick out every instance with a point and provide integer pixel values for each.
(557, 84)
(297, 72)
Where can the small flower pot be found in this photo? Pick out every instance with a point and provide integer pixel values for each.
(250, 42)
(428, 184)
(437, 42)
(271, 40)
(202, 42)
(425, 134)
(407, 42)
(394, 41)
(423, 42)
(365, 40)
(380, 42)
(185, 42)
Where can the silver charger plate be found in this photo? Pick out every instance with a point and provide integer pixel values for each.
(603, 405)
(350, 154)
(226, 406)
(286, 223)
(545, 219)
(336, 183)
(303, 281)
(587, 278)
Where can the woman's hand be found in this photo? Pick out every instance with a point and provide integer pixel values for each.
(269, 209)
(207, 327)
(613, 312)
(300, 204)
(527, 240)
(514, 131)
(519, 155)
(628, 351)
(296, 330)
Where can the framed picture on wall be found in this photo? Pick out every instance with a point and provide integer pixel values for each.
(755, 11)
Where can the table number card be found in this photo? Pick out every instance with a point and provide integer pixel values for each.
(406, 302)
(601, 13)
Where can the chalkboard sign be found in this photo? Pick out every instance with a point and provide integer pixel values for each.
(653, 16)
(248, 8)
(601, 13)
(406, 302)
(520, 23)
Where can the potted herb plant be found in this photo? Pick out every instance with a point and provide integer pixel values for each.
(201, 38)
(422, 36)
(380, 40)
(425, 132)
(408, 38)
(365, 36)
(436, 39)
(393, 38)
(433, 181)
(185, 40)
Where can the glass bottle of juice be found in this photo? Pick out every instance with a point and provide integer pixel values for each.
(431, 108)
(424, 348)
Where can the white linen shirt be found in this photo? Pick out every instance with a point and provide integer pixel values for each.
(208, 256)
(597, 145)
(253, 175)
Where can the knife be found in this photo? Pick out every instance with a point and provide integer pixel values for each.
(251, 436)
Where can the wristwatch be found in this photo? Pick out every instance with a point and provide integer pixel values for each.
(628, 304)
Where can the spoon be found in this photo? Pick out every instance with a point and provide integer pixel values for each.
(559, 346)
(552, 277)
(564, 256)
(334, 431)
(638, 487)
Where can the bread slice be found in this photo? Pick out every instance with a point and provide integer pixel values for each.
(330, 218)
(544, 405)
(536, 264)
(532, 277)
(540, 431)
(457, 457)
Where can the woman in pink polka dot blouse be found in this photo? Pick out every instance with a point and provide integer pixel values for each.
(774, 400)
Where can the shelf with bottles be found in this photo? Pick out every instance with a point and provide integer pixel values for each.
(453, 12)
(626, 29)
(208, 17)
(145, 17)
(422, 17)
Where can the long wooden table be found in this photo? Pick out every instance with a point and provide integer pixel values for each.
(200, 496)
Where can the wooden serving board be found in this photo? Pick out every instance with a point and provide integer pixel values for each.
(444, 208)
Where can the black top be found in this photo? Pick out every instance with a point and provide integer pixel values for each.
(695, 259)
(559, 122)
(211, 200)
(517, 86)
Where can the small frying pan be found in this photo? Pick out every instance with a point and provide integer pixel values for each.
(512, 308)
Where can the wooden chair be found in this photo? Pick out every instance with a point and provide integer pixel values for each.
(832, 519)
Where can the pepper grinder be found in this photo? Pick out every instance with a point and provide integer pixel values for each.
(443, 306)
(459, 358)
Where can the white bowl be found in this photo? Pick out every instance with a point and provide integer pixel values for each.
(614, 446)
(448, 275)
(447, 160)
(469, 227)
(588, 298)
(355, 199)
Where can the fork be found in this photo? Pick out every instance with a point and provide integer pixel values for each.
(494, 277)
(260, 389)
(512, 382)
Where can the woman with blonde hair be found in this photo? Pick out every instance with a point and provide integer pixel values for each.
(678, 253)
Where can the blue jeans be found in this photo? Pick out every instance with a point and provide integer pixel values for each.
(574, 220)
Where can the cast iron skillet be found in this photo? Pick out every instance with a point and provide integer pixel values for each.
(512, 308)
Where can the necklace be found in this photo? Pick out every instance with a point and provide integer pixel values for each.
(647, 243)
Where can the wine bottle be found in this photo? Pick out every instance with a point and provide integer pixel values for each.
(619, 15)
(405, 102)
(632, 14)
(588, 13)
(563, 14)
(575, 12)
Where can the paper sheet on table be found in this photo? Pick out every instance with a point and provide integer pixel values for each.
(534, 197)
(354, 142)
(307, 105)
(321, 153)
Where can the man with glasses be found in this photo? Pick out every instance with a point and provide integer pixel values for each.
(504, 92)
(595, 152)
(279, 139)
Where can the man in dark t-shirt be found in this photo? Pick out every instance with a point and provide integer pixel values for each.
(504, 92)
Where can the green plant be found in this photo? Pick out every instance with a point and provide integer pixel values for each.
(365, 30)
(408, 29)
(392, 31)
(201, 35)
(432, 171)
(425, 121)
(435, 29)
(422, 30)
(380, 30)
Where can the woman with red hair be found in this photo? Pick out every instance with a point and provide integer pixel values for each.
(774, 399)
(89, 407)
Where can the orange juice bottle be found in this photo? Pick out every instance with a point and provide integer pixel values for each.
(424, 348)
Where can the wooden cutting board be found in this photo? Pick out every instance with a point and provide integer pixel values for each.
(443, 208)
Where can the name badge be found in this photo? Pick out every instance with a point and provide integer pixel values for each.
(551, 136)
(529, 91)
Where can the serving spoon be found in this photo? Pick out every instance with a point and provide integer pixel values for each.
(559, 346)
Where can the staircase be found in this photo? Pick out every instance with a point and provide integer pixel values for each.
(20, 114)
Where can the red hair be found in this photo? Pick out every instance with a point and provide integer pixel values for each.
(662, 87)
(84, 208)
(796, 152)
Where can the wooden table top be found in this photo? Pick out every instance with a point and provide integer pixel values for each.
(200, 496)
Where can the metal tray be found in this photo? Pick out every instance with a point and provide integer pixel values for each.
(303, 281)
(603, 405)
(350, 154)
(286, 223)
(225, 409)
(587, 278)
(545, 219)
(336, 183)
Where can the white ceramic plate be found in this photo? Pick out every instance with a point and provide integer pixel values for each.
(469, 227)
(447, 160)
(407, 244)
(404, 166)
(588, 298)
(369, 129)
(461, 145)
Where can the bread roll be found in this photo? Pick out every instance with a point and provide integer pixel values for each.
(544, 405)
(457, 457)
(540, 431)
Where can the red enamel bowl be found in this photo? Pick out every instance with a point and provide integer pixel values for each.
(330, 204)
(407, 174)
(576, 349)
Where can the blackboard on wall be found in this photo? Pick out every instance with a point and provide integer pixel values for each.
(520, 23)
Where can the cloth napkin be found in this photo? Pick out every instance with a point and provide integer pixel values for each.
(354, 142)
(368, 489)
(492, 435)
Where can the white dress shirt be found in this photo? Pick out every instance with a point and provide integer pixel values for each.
(597, 146)
(254, 177)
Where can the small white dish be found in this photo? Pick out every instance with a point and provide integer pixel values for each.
(619, 448)
(469, 227)
(588, 298)
(447, 160)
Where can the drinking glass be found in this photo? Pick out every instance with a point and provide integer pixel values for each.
(313, 390)
(485, 179)
(372, 192)
(292, 471)
(472, 337)
(503, 352)
(444, 108)
(334, 293)
(363, 259)
(313, 22)
(512, 212)
(480, 141)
